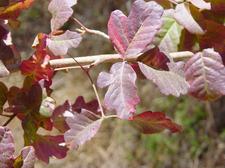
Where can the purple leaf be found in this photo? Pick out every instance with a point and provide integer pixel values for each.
(83, 127)
(122, 93)
(60, 44)
(6, 148)
(169, 82)
(205, 73)
(130, 35)
(184, 17)
(61, 11)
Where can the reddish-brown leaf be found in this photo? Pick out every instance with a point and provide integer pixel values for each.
(48, 146)
(37, 66)
(214, 38)
(155, 59)
(154, 122)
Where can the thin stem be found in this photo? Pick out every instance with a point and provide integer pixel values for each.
(110, 116)
(9, 120)
(211, 120)
(98, 99)
(93, 86)
(91, 31)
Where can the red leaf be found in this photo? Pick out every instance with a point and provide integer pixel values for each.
(48, 146)
(37, 65)
(130, 35)
(154, 122)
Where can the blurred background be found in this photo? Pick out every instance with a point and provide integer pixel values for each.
(118, 144)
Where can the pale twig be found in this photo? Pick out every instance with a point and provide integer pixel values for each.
(173, 2)
(91, 31)
(94, 60)
(111, 116)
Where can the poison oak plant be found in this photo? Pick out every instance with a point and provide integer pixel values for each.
(179, 45)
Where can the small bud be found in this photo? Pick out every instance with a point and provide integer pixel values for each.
(47, 107)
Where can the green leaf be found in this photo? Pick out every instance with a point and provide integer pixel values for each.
(168, 38)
